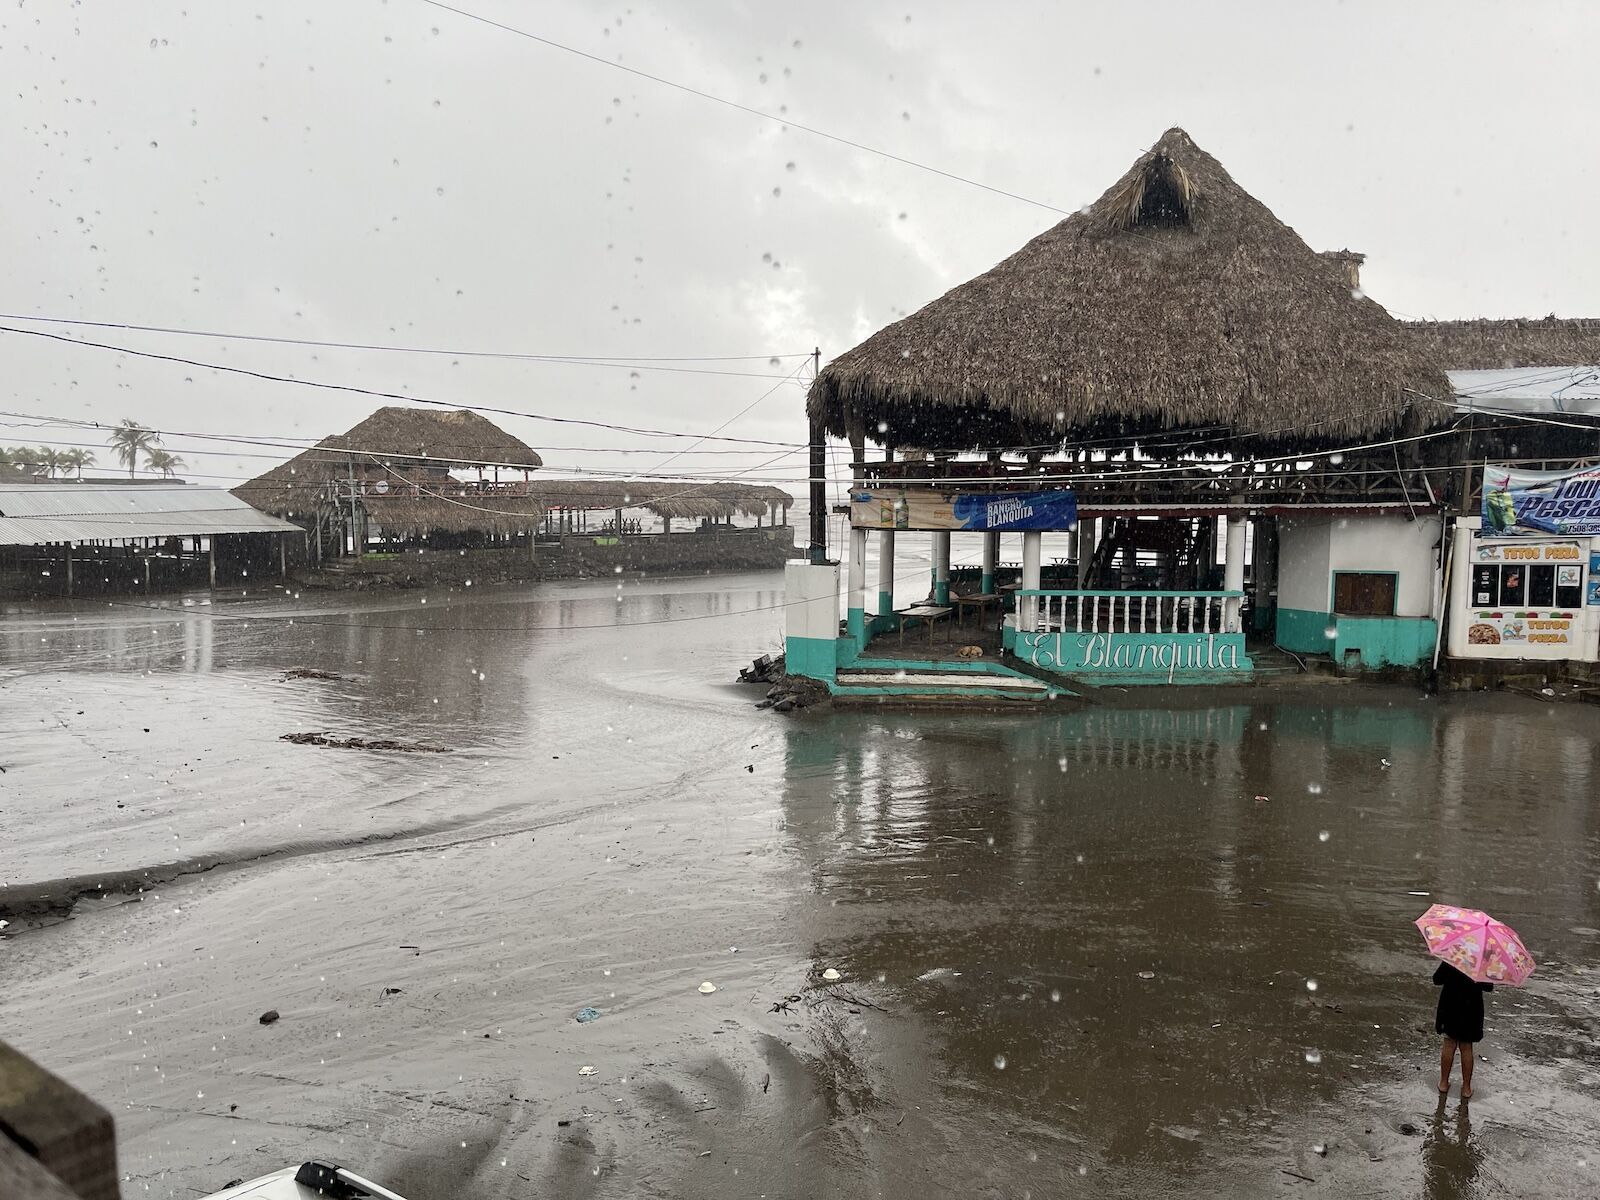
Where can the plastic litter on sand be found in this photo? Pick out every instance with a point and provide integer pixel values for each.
(586, 1014)
(832, 975)
(588, 1071)
(707, 988)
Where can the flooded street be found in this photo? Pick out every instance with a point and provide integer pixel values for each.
(1111, 950)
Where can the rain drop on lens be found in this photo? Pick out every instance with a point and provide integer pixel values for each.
(999, 1062)
(1311, 985)
(1313, 1057)
(1323, 836)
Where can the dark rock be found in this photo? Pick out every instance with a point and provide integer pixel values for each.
(785, 705)
(764, 704)
(1407, 1128)
(268, 1017)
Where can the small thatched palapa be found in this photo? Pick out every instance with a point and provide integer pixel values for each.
(1176, 301)
(664, 498)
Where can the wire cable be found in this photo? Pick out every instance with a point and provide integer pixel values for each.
(517, 356)
(744, 108)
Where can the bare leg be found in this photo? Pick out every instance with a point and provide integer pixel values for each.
(1447, 1060)
(1466, 1070)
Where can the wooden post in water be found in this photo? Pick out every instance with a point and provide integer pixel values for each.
(283, 556)
(819, 482)
(69, 568)
(55, 1143)
(212, 568)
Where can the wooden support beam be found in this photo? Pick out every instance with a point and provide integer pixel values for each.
(65, 1136)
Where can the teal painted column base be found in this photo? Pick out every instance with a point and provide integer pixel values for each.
(941, 592)
(855, 625)
(1008, 638)
(886, 604)
(986, 585)
(815, 658)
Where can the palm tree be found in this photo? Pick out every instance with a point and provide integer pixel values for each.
(51, 461)
(77, 459)
(160, 460)
(25, 458)
(131, 439)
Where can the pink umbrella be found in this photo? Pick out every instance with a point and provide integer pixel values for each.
(1477, 945)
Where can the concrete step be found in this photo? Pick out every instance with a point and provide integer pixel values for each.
(943, 679)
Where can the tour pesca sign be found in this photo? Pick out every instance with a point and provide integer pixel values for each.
(1139, 657)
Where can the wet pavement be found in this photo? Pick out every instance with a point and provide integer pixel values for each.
(1116, 950)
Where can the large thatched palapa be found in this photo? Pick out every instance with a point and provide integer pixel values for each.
(1174, 302)
(400, 459)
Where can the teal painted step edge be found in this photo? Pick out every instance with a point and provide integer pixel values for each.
(910, 691)
(950, 666)
(1380, 641)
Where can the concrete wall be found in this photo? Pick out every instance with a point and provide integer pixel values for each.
(811, 619)
(1313, 548)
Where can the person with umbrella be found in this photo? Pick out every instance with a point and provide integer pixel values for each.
(1476, 952)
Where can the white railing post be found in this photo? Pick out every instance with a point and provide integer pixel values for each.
(1080, 613)
(1141, 614)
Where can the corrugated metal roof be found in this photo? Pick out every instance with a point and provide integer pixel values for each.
(35, 514)
(1571, 390)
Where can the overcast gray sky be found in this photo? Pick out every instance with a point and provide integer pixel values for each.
(384, 171)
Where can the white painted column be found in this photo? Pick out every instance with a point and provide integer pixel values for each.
(991, 552)
(941, 566)
(886, 572)
(856, 614)
(1028, 607)
(1233, 572)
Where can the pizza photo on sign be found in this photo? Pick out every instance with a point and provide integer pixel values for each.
(1483, 635)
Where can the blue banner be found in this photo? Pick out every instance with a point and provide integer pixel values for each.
(980, 512)
(1017, 510)
(1541, 502)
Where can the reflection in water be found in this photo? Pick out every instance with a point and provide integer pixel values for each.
(1451, 1156)
(1126, 905)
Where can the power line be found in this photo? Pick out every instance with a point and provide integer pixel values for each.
(620, 359)
(643, 363)
(744, 108)
(373, 392)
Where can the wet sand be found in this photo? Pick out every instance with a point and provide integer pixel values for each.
(1076, 949)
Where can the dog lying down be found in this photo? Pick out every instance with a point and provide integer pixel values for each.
(970, 652)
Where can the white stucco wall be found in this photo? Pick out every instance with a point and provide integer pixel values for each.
(811, 600)
(1303, 563)
(1395, 544)
(1311, 549)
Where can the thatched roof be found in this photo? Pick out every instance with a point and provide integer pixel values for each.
(1486, 345)
(448, 437)
(1174, 301)
(665, 498)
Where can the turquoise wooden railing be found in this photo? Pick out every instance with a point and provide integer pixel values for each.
(1044, 610)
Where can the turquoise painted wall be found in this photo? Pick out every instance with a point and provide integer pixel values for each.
(1380, 641)
(1303, 631)
(815, 658)
(1386, 641)
(1139, 658)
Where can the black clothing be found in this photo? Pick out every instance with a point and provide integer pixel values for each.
(1460, 1015)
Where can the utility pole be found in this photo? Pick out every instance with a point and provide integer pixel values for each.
(819, 481)
(355, 549)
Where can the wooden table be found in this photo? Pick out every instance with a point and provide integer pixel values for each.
(977, 602)
(931, 613)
